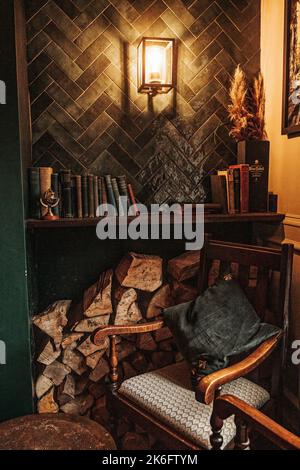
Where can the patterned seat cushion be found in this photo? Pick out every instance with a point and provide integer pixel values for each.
(167, 394)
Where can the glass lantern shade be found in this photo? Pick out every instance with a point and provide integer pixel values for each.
(155, 65)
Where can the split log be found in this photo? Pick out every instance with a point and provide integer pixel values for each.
(48, 354)
(81, 384)
(47, 404)
(70, 340)
(183, 293)
(146, 342)
(166, 345)
(128, 371)
(135, 441)
(97, 299)
(91, 324)
(124, 349)
(93, 359)
(57, 372)
(160, 300)
(74, 360)
(100, 413)
(69, 386)
(87, 347)
(123, 426)
(100, 371)
(128, 311)
(43, 384)
(184, 266)
(78, 406)
(143, 272)
(162, 334)
(97, 390)
(53, 320)
(161, 359)
(139, 362)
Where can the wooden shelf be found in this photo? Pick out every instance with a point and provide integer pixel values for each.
(267, 217)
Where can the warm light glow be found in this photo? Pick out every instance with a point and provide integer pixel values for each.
(155, 64)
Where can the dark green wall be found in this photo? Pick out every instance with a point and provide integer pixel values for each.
(15, 376)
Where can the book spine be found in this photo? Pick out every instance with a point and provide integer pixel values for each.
(230, 195)
(219, 191)
(96, 195)
(78, 196)
(73, 196)
(66, 193)
(99, 194)
(110, 193)
(34, 192)
(117, 196)
(85, 196)
(55, 188)
(237, 190)
(91, 195)
(244, 188)
(104, 195)
(122, 184)
(132, 199)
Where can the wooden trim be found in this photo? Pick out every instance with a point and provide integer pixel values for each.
(206, 388)
(268, 217)
(227, 405)
(285, 129)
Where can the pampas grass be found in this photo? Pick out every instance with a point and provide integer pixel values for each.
(247, 108)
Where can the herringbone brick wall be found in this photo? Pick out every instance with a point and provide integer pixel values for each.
(87, 114)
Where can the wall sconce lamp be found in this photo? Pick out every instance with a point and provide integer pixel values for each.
(156, 65)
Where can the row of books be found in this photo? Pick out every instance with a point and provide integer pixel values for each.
(230, 188)
(79, 195)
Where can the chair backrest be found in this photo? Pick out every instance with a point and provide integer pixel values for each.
(254, 267)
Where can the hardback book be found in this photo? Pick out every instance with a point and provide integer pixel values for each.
(34, 192)
(55, 188)
(104, 196)
(237, 194)
(96, 195)
(73, 196)
(219, 191)
(117, 196)
(230, 189)
(99, 193)
(244, 186)
(132, 200)
(45, 184)
(91, 196)
(66, 191)
(78, 196)
(85, 196)
(256, 155)
(122, 184)
(110, 193)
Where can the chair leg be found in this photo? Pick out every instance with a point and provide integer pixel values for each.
(216, 439)
(241, 441)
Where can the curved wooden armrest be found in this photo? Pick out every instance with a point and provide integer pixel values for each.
(112, 330)
(227, 405)
(205, 389)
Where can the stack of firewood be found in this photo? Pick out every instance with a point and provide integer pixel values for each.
(71, 370)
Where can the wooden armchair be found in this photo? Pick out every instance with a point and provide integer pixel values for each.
(163, 402)
(253, 419)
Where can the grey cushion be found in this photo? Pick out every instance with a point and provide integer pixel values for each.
(167, 395)
(219, 324)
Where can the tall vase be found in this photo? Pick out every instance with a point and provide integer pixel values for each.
(256, 154)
